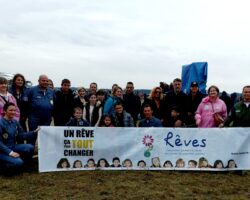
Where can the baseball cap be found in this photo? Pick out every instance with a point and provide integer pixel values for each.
(194, 84)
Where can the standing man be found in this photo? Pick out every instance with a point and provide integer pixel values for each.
(132, 103)
(193, 100)
(149, 120)
(92, 90)
(239, 115)
(176, 98)
(63, 108)
(41, 104)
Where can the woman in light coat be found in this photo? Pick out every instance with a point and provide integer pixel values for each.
(210, 105)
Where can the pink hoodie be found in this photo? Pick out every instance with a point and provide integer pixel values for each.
(11, 99)
(204, 114)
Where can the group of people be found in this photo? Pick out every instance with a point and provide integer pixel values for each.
(23, 109)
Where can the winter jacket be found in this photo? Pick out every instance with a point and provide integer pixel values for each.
(109, 105)
(205, 112)
(127, 120)
(239, 115)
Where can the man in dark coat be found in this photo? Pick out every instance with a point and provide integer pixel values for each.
(132, 103)
(176, 98)
(63, 107)
(193, 100)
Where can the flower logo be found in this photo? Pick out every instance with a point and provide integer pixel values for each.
(148, 140)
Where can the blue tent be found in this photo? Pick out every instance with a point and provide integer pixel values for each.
(194, 72)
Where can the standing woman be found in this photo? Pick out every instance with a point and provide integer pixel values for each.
(6, 97)
(208, 107)
(13, 155)
(19, 91)
(112, 100)
(80, 101)
(92, 112)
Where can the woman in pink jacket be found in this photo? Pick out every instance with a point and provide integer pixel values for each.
(5, 97)
(208, 107)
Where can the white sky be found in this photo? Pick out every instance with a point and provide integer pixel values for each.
(115, 41)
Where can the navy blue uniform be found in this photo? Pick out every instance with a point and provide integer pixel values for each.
(41, 104)
(10, 132)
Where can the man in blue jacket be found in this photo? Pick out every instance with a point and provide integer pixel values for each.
(41, 104)
(149, 120)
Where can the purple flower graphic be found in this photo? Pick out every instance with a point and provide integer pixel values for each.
(148, 140)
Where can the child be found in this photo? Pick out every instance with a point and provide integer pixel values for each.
(63, 163)
(90, 164)
(156, 162)
(203, 163)
(174, 120)
(168, 164)
(77, 120)
(127, 163)
(77, 164)
(180, 163)
(192, 164)
(116, 162)
(106, 121)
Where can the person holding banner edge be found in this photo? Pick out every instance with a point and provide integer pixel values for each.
(13, 155)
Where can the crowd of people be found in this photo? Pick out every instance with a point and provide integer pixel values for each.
(24, 109)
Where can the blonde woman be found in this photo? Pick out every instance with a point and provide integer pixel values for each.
(156, 101)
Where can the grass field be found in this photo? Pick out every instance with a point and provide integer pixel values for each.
(125, 185)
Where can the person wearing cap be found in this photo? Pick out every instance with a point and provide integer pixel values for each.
(193, 100)
(63, 108)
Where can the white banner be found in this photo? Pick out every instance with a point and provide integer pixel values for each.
(77, 148)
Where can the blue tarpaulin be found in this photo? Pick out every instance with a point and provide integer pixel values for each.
(194, 72)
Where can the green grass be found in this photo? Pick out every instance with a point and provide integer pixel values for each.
(125, 185)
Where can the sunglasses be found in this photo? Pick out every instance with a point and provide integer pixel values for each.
(158, 92)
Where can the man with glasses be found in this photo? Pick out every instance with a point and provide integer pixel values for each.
(121, 117)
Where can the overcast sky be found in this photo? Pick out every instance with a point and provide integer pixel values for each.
(115, 41)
